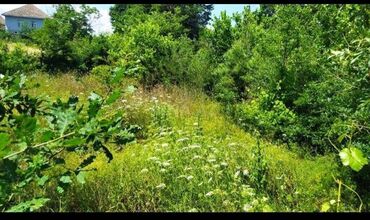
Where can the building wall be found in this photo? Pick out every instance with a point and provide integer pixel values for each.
(14, 24)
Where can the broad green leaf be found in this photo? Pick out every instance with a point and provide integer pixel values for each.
(353, 157)
(30, 205)
(74, 142)
(118, 74)
(47, 136)
(41, 181)
(65, 179)
(4, 140)
(94, 105)
(60, 190)
(81, 177)
(325, 207)
(344, 156)
(113, 97)
(94, 97)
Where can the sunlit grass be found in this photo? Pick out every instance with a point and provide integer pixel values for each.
(189, 157)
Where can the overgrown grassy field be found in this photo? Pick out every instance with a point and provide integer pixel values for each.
(190, 157)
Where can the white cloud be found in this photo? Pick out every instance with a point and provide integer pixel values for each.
(102, 24)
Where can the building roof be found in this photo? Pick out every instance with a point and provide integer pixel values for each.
(2, 22)
(27, 11)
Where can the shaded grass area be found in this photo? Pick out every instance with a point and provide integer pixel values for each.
(189, 157)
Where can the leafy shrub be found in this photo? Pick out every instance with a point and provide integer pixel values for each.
(16, 59)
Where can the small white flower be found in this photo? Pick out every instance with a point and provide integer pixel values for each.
(161, 186)
(247, 207)
(189, 177)
(332, 202)
(1, 76)
(196, 157)
(166, 164)
(236, 174)
(182, 139)
(165, 145)
(144, 170)
(245, 172)
(210, 193)
(193, 146)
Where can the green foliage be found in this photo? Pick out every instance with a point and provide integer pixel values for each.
(66, 40)
(16, 59)
(195, 16)
(152, 50)
(353, 157)
(37, 134)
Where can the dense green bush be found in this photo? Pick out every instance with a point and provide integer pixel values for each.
(163, 58)
(16, 59)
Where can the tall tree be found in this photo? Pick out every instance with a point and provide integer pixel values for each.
(197, 16)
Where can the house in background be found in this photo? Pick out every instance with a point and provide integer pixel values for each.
(26, 16)
(2, 23)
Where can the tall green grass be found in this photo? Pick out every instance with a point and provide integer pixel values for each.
(189, 157)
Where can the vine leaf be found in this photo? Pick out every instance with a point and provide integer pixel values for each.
(4, 141)
(65, 179)
(81, 177)
(353, 157)
(30, 205)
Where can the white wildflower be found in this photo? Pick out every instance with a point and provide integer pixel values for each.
(189, 177)
(166, 164)
(196, 157)
(236, 174)
(165, 145)
(182, 139)
(232, 144)
(1, 76)
(193, 146)
(245, 172)
(161, 186)
(332, 202)
(144, 170)
(247, 207)
(153, 158)
(210, 193)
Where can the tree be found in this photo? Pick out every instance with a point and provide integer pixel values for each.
(197, 16)
(56, 34)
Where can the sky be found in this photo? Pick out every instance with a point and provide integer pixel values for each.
(103, 25)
